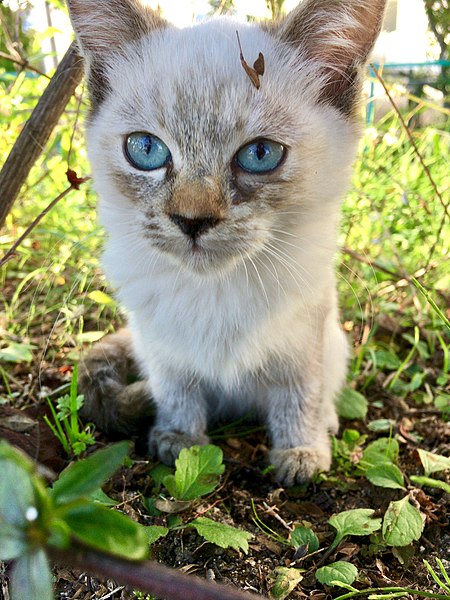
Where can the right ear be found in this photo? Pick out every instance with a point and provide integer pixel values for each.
(103, 27)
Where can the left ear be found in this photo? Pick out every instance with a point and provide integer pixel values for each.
(338, 35)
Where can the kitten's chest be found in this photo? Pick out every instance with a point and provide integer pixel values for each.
(216, 330)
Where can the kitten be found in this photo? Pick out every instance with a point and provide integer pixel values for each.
(221, 202)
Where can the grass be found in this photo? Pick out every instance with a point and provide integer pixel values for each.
(393, 285)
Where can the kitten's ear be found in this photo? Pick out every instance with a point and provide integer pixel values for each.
(338, 35)
(103, 27)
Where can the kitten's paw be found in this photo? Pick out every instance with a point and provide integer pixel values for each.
(167, 445)
(298, 465)
(333, 422)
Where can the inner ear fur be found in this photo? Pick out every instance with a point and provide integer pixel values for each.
(338, 35)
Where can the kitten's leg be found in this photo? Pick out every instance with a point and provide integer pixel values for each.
(301, 413)
(181, 416)
(300, 439)
(112, 404)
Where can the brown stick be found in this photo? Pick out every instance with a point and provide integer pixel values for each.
(11, 252)
(148, 576)
(24, 64)
(38, 129)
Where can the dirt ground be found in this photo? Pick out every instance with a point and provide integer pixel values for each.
(247, 489)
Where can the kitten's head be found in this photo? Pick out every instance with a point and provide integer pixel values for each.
(190, 158)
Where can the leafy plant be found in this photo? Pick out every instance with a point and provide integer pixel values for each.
(402, 523)
(359, 521)
(351, 404)
(304, 536)
(283, 581)
(339, 574)
(197, 473)
(35, 519)
(221, 534)
(66, 425)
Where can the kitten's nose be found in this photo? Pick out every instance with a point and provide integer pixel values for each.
(194, 227)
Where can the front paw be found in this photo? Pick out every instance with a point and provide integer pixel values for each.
(167, 445)
(298, 465)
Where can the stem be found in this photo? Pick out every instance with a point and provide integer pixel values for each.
(394, 590)
(10, 253)
(411, 139)
(430, 300)
(147, 576)
(404, 364)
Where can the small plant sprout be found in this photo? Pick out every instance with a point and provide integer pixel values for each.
(66, 425)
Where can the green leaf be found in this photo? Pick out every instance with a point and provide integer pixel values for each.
(302, 536)
(337, 573)
(358, 521)
(159, 473)
(16, 353)
(351, 404)
(386, 359)
(381, 425)
(402, 523)
(17, 493)
(382, 451)
(285, 580)
(221, 534)
(89, 337)
(100, 497)
(432, 463)
(197, 472)
(101, 298)
(107, 530)
(429, 482)
(85, 476)
(155, 532)
(58, 534)
(31, 577)
(442, 403)
(387, 476)
(12, 541)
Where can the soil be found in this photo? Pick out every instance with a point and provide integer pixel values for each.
(247, 493)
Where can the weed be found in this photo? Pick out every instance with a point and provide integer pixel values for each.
(66, 425)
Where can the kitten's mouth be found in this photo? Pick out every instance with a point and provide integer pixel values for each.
(196, 247)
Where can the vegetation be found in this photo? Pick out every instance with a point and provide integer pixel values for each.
(376, 520)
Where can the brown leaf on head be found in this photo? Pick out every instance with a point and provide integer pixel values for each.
(258, 65)
(257, 69)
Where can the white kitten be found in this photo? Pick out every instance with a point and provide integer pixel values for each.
(221, 205)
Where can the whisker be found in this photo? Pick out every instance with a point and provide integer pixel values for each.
(259, 278)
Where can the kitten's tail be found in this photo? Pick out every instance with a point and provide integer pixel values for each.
(113, 404)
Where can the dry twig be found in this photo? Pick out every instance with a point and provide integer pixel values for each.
(74, 185)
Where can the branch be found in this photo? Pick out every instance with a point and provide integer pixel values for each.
(74, 185)
(413, 143)
(148, 576)
(24, 64)
(38, 129)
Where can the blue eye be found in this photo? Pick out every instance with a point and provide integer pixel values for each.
(146, 152)
(260, 156)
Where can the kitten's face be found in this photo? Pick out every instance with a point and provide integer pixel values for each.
(202, 164)
(190, 159)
